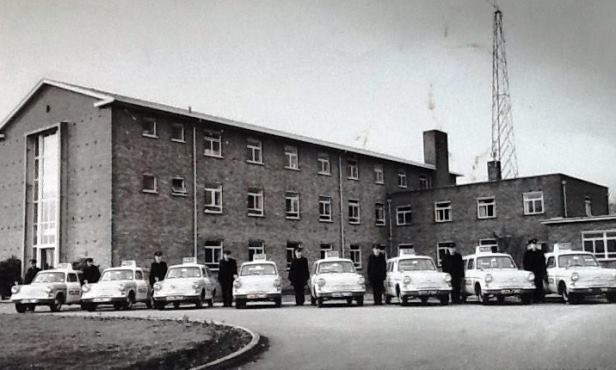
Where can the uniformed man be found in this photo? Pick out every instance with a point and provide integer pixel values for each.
(227, 272)
(91, 273)
(377, 271)
(534, 261)
(158, 268)
(299, 275)
(454, 265)
(31, 273)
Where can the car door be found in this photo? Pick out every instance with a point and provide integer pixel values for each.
(142, 285)
(207, 279)
(551, 272)
(469, 275)
(389, 279)
(313, 279)
(73, 288)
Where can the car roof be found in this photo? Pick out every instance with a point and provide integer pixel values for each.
(187, 265)
(259, 263)
(564, 253)
(122, 268)
(410, 257)
(487, 255)
(337, 259)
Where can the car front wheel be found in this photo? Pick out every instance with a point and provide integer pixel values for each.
(444, 299)
(360, 301)
(21, 308)
(480, 296)
(56, 305)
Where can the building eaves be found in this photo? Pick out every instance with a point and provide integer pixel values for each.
(570, 220)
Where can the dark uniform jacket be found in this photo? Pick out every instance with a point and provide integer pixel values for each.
(453, 264)
(298, 272)
(377, 268)
(91, 274)
(158, 270)
(30, 274)
(226, 271)
(534, 261)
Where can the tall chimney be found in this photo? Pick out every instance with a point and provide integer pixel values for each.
(436, 153)
(494, 171)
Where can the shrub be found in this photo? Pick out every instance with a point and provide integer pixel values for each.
(10, 271)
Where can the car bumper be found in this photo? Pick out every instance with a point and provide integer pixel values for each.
(424, 292)
(508, 291)
(258, 296)
(176, 298)
(592, 290)
(103, 300)
(33, 300)
(340, 295)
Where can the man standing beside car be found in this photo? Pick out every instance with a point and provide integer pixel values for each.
(91, 273)
(453, 264)
(299, 275)
(377, 272)
(158, 268)
(227, 271)
(534, 261)
(31, 273)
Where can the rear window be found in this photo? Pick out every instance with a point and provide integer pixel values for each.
(336, 267)
(577, 260)
(259, 269)
(183, 272)
(417, 264)
(495, 262)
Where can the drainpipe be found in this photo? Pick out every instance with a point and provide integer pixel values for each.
(194, 137)
(390, 222)
(564, 185)
(341, 206)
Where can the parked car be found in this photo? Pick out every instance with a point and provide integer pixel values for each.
(576, 274)
(257, 281)
(411, 276)
(121, 287)
(189, 282)
(335, 278)
(53, 288)
(491, 274)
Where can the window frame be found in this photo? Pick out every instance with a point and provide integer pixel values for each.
(352, 167)
(402, 179)
(155, 126)
(219, 246)
(183, 191)
(292, 197)
(527, 201)
(354, 204)
(425, 182)
(355, 253)
(605, 239)
(493, 204)
(444, 210)
(291, 154)
(379, 174)
(323, 158)
(213, 207)
(153, 190)
(175, 125)
(441, 246)
(405, 212)
(259, 199)
(212, 138)
(254, 146)
(322, 251)
(325, 200)
(379, 221)
(254, 249)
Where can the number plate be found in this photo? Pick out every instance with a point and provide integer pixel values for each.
(174, 298)
(101, 300)
(253, 296)
(506, 291)
(604, 289)
(345, 294)
(30, 300)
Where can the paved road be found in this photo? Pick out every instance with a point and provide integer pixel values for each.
(547, 336)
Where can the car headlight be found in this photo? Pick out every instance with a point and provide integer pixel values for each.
(406, 280)
(277, 283)
(447, 278)
(195, 285)
(321, 282)
(531, 276)
(575, 276)
(158, 286)
(85, 288)
(48, 290)
(488, 278)
(15, 289)
(237, 283)
(361, 280)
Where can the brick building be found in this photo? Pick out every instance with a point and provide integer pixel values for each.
(505, 213)
(89, 173)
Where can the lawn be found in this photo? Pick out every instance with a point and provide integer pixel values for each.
(59, 342)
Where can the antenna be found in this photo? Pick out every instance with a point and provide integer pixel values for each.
(503, 141)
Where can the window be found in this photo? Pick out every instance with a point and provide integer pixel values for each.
(471, 264)
(355, 255)
(486, 208)
(402, 248)
(255, 152)
(149, 184)
(255, 202)
(602, 243)
(324, 167)
(588, 206)
(255, 247)
(292, 205)
(401, 179)
(533, 203)
(325, 208)
(354, 211)
(324, 248)
(213, 144)
(352, 169)
(138, 275)
(379, 178)
(177, 133)
(550, 264)
(379, 214)
(148, 128)
(213, 252)
(425, 182)
(213, 199)
(72, 278)
(178, 186)
(290, 250)
(442, 211)
(441, 248)
(403, 215)
(292, 161)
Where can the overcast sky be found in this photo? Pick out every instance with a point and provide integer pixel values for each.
(371, 74)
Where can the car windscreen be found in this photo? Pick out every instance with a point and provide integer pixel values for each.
(416, 264)
(577, 260)
(495, 262)
(49, 277)
(327, 267)
(258, 269)
(117, 275)
(183, 272)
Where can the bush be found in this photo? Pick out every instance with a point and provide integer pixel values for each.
(10, 271)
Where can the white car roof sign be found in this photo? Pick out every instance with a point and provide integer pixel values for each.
(64, 266)
(332, 254)
(186, 260)
(259, 257)
(483, 249)
(562, 247)
(407, 251)
(128, 263)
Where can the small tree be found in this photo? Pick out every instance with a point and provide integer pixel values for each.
(10, 272)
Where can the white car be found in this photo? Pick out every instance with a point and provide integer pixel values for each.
(52, 288)
(258, 281)
(189, 282)
(121, 287)
(489, 274)
(575, 274)
(410, 276)
(335, 278)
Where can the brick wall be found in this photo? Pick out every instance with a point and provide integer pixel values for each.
(572, 232)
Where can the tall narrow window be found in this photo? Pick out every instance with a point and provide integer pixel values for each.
(213, 144)
(213, 252)
(255, 202)
(324, 248)
(354, 212)
(213, 199)
(352, 169)
(324, 165)
(403, 215)
(355, 254)
(425, 182)
(486, 208)
(402, 179)
(379, 214)
(149, 184)
(588, 206)
(290, 250)
(379, 178)
(177, 133)
(533, 203)
(291, 157)
(325, 208)
(292, 205)
(255, 247)
(178, 186)
(442, 211)
(254, 151)
(148, 128)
